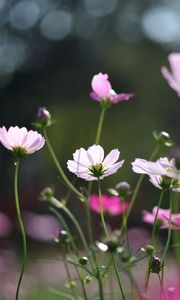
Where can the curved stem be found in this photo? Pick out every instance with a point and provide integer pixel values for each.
(60, 205)
(59, 168)
(73, 291)
(18, 211)
(118, 278)
(100, 125)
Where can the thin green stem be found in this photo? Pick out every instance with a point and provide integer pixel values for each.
(153, 238)
(60, 205)
(59, 168)
(71, 285)
(118, 278)
(155, 219)
(21, 225)
(169, 231)
(101, 211)
(175, 234)
(100, 125)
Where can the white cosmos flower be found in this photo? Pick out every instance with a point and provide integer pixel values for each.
(90, 164)
(162, 173)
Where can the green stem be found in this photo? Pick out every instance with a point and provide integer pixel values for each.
(169, 231)
(108, 237)
(101, 210)
(60, 205)
(118, 278)
(175, 234)
(73, 291)
(153, 238)
(155, 219)
(59, 168)
(124, 216)
(100, 125)
(18, 211)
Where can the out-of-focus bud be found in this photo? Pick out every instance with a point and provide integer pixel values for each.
(175, 153)
(155, 265)
(123, 188)
(46, 194)
(83, 260)
(149, 249)
(64, 237)
(163, 138)
(126, 256)
(43, 116)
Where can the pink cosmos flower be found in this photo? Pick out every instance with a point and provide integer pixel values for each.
(111, 205)
(90, 164)
(102, 90)
(163, 218)
(173, 77)
(161, 172)
(20, 141)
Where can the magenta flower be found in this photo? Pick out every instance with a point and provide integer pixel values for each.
(90, 164)
(102, 90)
(162, 173)
(111, 205)
(173, 77)
(20, 141)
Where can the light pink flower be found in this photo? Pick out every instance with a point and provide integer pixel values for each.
(173, 77)
(21, 141)
(162, 216)
(162, 173)
(90, 164)
(102, 90)
(111, 204)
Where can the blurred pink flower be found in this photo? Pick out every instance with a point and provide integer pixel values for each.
(21, 141)
(42, 227)
(102, 90)
(90, 164)
(112, 204)
(163, 218)
(173, 77)
(5, 225)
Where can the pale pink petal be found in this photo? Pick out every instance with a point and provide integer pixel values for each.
(3, 138)
(101, 85)
(95, 154)
(111, 158)
(174, 61)
(80, 156)
(113, 169)
(121, 97)
(170, 79)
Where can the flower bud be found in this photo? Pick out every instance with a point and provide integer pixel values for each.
(64, 237)
(163, 138)
(149, 249)
(83, 260)
(43, 117)
(155, 265)
(126, 255)
(123, 189)
(46, 194)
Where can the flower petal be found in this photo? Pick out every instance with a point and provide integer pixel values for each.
(111, 158)
(95, 154)
(101, 85)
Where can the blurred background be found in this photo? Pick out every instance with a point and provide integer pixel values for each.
(49, 52)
